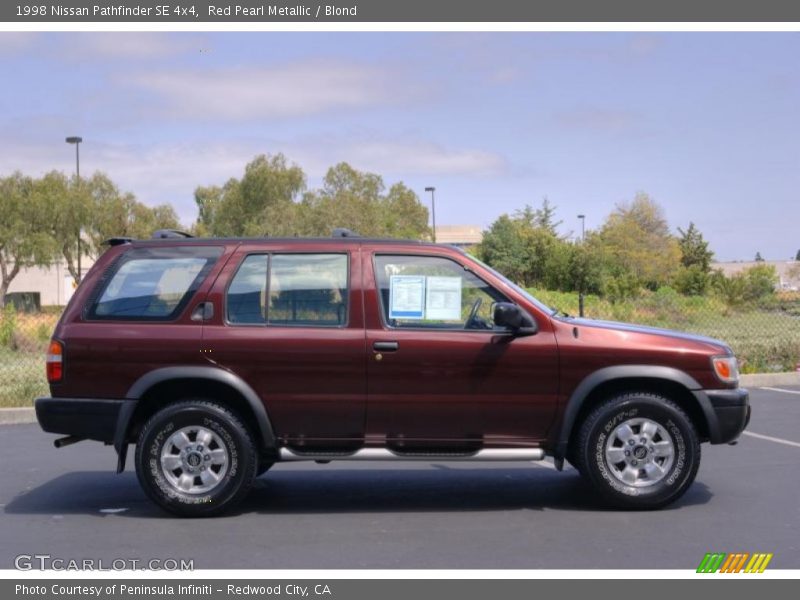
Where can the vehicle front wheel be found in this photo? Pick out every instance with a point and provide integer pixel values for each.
(195, 458)
(639, 450)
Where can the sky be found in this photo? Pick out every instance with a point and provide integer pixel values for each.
(707, 124)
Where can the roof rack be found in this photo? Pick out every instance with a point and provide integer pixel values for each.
(164, 234)
(117, 241)
(343, 232)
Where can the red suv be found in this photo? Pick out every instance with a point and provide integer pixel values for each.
(221, 357)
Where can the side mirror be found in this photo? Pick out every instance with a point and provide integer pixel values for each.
(512, 317)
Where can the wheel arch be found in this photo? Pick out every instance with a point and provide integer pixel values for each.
(679, 386)
(158, 388)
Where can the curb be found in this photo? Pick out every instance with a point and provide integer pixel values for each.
(17, 416)
(769, 379)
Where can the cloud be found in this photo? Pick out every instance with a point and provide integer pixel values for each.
(422, 158)
(128, 45)
(505, 74)
(289, 90)
(13, 42)
(598, 119)
(170, 172)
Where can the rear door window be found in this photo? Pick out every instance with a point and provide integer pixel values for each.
(308, 289)
(301, 290)
(152, 284)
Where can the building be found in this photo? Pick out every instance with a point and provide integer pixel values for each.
(53, 283)
(788, 271)
(463, 236)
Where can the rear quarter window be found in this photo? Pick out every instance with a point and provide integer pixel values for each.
(152, 284)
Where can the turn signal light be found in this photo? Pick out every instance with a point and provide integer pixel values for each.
(55, 362)
(726, 368)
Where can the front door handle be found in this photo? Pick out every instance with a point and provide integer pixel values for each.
(386, 346)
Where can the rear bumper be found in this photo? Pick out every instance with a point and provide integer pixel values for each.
(87, 418)
(730, 414)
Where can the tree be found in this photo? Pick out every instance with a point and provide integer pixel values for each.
(526, 248)
(96, 209)
(760, 282)
(355, 200)
(25, 229)
(694, 249)
(71, 205)
(572, 267)
(797, 256)
(748, 286)
(759, 258)
(635, 243)
(692, 278)
(405, 216)
(271, 199)
(261, 203)
(540, 218)
(503, 248)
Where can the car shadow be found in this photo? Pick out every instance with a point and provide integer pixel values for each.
(340, 490)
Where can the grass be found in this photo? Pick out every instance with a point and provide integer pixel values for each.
(22, 356)
(765, 339)
(22, 377)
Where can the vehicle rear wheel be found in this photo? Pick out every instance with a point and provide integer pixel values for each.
(195, 458)
(639, 450)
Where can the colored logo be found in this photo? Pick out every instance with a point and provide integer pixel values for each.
(738, 562)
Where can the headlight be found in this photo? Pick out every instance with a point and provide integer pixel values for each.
(726, 368)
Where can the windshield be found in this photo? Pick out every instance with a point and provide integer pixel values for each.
(520, 290)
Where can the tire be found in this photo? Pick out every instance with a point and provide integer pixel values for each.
(195, 458)
(653, 471)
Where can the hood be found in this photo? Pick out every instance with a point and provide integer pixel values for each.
(619, 326)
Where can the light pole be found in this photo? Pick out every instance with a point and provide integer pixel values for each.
(74, 139)
(432, 190)
(583, 275)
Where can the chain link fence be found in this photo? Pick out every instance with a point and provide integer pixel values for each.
(24, 338)
(765, 336)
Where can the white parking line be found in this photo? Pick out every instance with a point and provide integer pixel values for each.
(771, 439)
(772, 389)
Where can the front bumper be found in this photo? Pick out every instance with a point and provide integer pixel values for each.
(730, 414)
(87, 418)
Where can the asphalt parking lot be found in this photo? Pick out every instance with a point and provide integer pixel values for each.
(69, 504)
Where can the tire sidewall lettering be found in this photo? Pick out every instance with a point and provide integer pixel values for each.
(153, 464)
(602, 430)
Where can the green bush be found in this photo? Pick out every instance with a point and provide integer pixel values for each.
(621, 287)
(760, 282)
(764, 339)
(8, 325)
(691, 281)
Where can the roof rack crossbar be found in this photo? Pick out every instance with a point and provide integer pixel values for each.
(117, 241)
(343, 232)
(164, 234)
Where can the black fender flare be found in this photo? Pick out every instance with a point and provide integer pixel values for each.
(148, 380)
(620, 372)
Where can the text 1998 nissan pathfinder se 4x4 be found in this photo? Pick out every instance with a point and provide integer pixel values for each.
(220, 357)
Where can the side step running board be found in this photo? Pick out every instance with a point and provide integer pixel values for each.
(488, 454)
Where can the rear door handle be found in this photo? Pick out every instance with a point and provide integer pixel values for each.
(386, 346)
